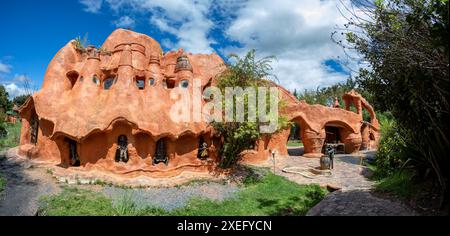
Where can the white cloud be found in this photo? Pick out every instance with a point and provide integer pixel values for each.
(22, 79)
(92, 6)
(14, 90)
(186, 20)
(4, 68)
(297, 32)
(124, 22)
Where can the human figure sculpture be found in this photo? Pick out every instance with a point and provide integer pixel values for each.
(122, 149)
(330, 152)
(160, 154)
(203, 151)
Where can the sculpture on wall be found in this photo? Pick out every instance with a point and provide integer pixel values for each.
(122, 149)
(160, 154)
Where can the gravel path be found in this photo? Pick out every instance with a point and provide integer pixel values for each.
(25, 185)
(173, 197)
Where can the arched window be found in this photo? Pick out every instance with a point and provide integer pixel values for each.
(108, 83)
(72, 76)
(184, 83)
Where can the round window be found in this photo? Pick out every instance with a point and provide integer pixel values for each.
(184, 83)
(151, 82)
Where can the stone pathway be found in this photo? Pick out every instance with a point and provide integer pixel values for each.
(358, 203)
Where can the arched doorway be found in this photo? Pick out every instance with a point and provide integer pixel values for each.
(294, 142)
(334, 132)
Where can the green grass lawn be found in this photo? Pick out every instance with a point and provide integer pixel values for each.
(13, 137)
(272, 195)
(295, 143)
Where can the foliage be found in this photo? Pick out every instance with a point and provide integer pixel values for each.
(405, 44)
(390, 157)
(81, 43)
(272, 195)
(2, 183)
(325, 96)
(400, 183)
(12, 138)
(238, 136)
(5, 104)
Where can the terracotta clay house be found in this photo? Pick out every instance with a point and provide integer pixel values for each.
(108, 109)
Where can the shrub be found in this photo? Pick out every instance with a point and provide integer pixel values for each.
(390, 156)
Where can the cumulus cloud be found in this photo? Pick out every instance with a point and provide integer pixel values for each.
(14, 90)
(297, 32)
(124, 22)
(92, 6)
(186, 20)
(4, 68)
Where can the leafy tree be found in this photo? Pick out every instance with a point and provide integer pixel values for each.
(405, 42)
(239, 136)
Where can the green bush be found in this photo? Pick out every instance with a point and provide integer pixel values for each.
(391, 150)
(401, 183)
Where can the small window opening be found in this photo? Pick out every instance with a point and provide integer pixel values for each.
(170, 84)
(184, 83)
(108, 83)
(72, 76)
(96, 80)
(151, 82)
(140, 83)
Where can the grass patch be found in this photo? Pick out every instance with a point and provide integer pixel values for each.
(401, 184)
(76, 202)
(12, 139)
(295, 143)
(272, 195)
(2, 183)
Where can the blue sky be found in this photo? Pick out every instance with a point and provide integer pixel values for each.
(297, 32)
